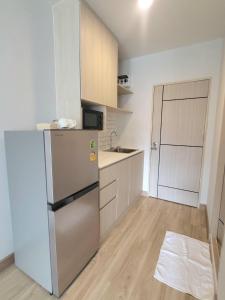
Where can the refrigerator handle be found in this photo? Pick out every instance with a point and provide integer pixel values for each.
(74, 197)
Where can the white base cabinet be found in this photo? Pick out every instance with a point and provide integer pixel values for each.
(136, 180)
(107, 217)
(120, 187)
(123, 186)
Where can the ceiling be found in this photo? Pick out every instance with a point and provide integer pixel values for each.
(167, 24)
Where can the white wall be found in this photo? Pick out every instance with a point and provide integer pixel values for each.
(187, 63)
(26, 83)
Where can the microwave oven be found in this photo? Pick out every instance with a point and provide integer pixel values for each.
(92, 119)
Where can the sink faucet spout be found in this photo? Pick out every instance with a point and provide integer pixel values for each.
(113, 132)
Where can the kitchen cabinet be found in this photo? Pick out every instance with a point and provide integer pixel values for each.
(120, 187)
(136, 172)
(107, 217)
(66, 30)
(108, 193)
(108, 175)
(86, 59)
(99, 60)
(123, 186)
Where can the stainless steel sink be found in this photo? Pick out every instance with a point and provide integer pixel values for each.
(121, 150)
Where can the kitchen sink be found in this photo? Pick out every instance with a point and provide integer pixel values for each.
(121, 150)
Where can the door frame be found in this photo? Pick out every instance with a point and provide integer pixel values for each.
(205, 132)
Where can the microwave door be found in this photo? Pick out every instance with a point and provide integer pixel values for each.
(71, 162)
(92, 119)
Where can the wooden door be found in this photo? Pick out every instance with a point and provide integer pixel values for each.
(179, 118)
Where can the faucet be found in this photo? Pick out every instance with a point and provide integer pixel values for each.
(113, 132)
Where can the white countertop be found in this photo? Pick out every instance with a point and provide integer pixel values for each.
(106, 159)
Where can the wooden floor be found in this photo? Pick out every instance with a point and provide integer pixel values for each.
(126, 261)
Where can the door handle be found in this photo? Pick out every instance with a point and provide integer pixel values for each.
(154, 146)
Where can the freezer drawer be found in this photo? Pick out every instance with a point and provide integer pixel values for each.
(71, 162)
(74, 238)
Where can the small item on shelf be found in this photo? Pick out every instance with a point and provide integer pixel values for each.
(67, 123)
(124, 81)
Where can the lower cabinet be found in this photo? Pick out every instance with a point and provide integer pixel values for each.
(123, 186)
(107, 217)
(108, 193)
(136, 173)
(120, 187)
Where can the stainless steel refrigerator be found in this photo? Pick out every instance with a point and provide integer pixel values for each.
(54, 195)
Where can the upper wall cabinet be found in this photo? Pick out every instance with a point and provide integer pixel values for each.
(99, 60)
(67, 59)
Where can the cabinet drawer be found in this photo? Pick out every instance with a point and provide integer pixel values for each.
(108, 175)
(107, 217)
(108, 193)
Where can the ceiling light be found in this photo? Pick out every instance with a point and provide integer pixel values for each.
(145, 4)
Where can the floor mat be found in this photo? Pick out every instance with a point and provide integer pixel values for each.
(185, 265)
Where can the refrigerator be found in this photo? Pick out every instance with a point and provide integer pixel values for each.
(54, 195)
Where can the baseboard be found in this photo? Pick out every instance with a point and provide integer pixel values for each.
(6, 262)
(214, 251)
(204, 206)
(145, 194)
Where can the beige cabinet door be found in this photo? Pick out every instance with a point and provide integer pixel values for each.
(109, 68)
(90, 55)
(108, 197)
(123, 186)
(99, 60)
(179, 119)
(120, 186)
(137, 164)
(107, 194)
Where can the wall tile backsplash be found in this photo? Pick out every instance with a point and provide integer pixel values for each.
(111, 124)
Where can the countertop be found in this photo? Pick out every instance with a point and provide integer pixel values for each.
(106, 159)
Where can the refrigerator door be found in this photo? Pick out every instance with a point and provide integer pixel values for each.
(74, 238)
(71, 162)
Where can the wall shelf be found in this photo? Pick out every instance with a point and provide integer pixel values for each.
(118, 109)
(123, 90)
(96, 106)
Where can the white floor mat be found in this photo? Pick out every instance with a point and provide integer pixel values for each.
(184, 264)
